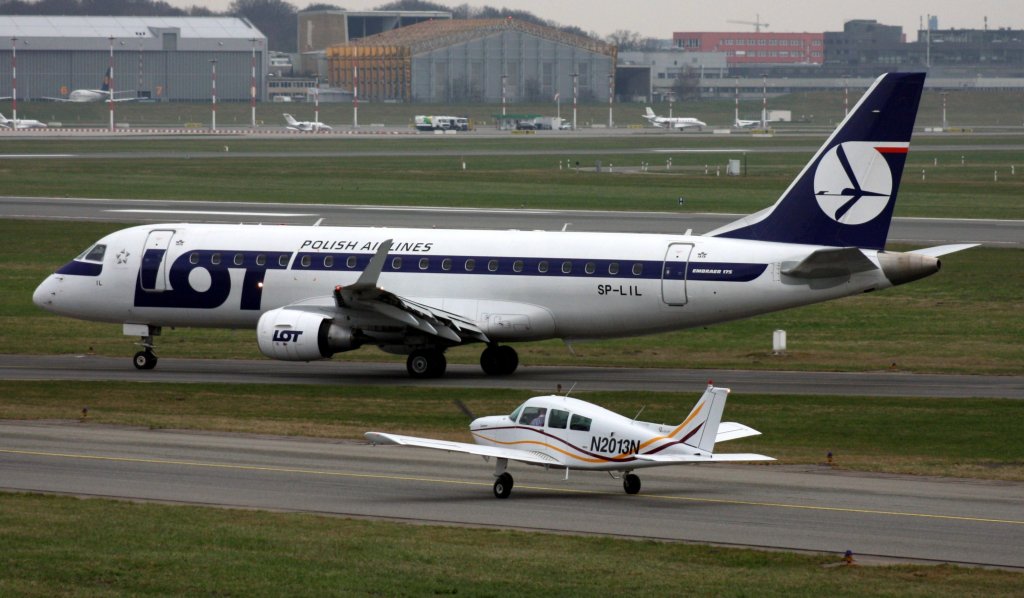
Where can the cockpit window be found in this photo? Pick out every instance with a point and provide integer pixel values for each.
(515, 414)
(533, 416)
(93, 254)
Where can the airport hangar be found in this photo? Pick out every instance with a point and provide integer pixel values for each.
(161, 58)
(474, 60)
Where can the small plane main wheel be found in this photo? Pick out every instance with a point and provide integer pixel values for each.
(144, 360)
(499, 360)
(426, 363)
(631, 483)
(503, 485)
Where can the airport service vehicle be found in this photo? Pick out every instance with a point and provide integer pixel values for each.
(313, 291)
(309, 126)
(441, 123)
(673, 122)
(558, 432)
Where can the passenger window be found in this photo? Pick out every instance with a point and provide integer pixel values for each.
(517, 266)
(590, 268)
(566, 267)
(396, 263)
(470, 264)
(193, 258)
(613, 268)
(282, 260)
(533, 416)
(579, 423)
(424, 263)
(328, 261)
(238, 259)
(261, 259)
(215, 259)
(542, 266)
(95, 254)
(558, 419)
(306, 261)
(446, 264)
(638, 269)
(492, 266)
(350, 262)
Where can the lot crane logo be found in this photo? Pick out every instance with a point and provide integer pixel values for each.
(853, 182)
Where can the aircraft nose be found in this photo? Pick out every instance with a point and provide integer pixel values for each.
(45, 293)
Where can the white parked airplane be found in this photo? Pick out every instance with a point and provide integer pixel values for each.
(739, 123)
(313, 291)
(673, 122)
(98, 95)
(564, 433)
(21, 123)
(304, 125)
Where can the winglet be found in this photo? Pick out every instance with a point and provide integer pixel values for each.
(368, 279)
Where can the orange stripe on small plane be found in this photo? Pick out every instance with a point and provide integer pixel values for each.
(546, 445)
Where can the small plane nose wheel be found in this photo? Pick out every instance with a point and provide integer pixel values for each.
(503, 485)
(631, 483)
(144, 360)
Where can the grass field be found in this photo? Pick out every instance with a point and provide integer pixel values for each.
(59, 546)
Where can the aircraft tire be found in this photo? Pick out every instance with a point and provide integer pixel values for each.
(426, 363)
(631, 483)
(503, 486)
(499, 360)
(144, 360)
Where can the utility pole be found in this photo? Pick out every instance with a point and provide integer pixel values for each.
(110, 70)
(213, 87)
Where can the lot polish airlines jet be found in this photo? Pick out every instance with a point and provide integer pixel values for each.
(311, 292)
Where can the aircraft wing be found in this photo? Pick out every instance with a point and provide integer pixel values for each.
(943, 249)
(704, 458)
(365, 296)
(462, 447)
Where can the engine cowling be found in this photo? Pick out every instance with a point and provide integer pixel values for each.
(298, 335)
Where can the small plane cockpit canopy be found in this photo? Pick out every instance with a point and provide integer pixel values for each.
(93, 254)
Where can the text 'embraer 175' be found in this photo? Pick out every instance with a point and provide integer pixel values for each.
(311, 292)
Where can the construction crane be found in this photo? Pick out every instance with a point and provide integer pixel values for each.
(757, 23)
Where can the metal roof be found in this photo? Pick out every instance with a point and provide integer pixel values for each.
(126, 27)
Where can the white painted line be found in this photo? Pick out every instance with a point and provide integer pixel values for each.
(213, 213)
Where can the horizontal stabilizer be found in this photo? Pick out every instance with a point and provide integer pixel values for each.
(733, 430)
(830, 263)
(944, 249)
(705, 458)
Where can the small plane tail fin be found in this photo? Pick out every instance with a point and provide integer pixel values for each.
(649, 113)
(845, 195)
(288, 118)
(3, 119)
(700, 428)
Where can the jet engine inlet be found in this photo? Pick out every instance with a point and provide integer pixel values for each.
(901, 268)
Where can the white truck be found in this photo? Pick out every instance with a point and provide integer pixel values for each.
(441, 123)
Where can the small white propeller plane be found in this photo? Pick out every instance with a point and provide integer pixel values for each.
(559, 432)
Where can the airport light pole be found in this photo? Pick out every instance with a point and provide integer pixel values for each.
(846, 96)
(252, 85)
(14, 82)
(611, 95)
(504, 77)
(943, 94)
(355, 97)
(575, 97)
(736, 98)
(110, 90)
(213, 94)
(316, 101)
(764, 101)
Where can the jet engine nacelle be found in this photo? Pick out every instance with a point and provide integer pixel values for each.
(298, 335)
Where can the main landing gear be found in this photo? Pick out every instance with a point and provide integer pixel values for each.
(499, 360)
(426, 363)
(631, 483)
(145, 359)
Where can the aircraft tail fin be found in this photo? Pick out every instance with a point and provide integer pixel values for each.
(105, 86)
(3, 119)
(290, 119)
(845, 195)
(700, 428)
(649, 113)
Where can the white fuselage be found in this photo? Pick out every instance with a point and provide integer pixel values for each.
(518, 285)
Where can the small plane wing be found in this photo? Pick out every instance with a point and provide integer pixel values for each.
(533, 457)
(703, 458)
(830, 263)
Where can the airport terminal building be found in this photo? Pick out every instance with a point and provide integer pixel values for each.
(160, 58)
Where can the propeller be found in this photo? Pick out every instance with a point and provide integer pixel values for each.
(464, 408)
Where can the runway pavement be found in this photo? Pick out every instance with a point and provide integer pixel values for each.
(812, 508)
(920, 231)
